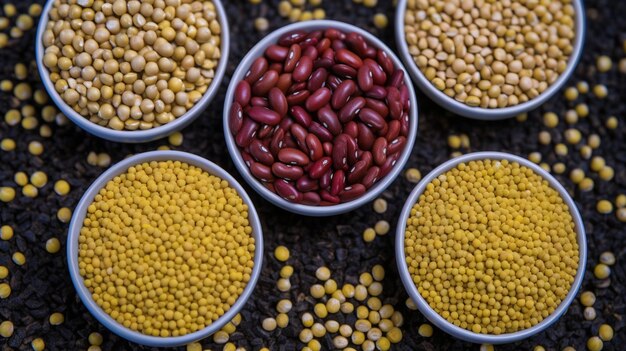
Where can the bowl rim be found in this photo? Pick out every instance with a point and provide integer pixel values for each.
(481, 113)
(437, 319)
(135, 136)
(317, 211)
(77, 223)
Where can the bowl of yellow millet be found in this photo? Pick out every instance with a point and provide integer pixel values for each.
(491, 248)
(165, 248)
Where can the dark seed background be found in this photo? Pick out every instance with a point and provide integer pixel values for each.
(42, 286)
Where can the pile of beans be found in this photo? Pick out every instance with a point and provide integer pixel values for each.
(321, 117)
(131, 65)
(490, 54)
(166, 248)
(491, 246)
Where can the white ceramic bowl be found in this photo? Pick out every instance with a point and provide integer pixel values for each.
(77, 223)
(317, 211)
(437, 319)
(135, 136)
(478, 112)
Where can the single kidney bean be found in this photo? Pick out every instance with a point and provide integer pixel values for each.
(349, 58)
(366, 137)
(328, 54)
(318, 99)
(377, 92)
(385, 62)
(351, 128)
(378, 106)
(265, 131)
(383, 131)
(370, 52)
(293, 56)
(262, 172)
(276, 53)
(292, 38)
(261, 153)
(311, 52)
(372, 118)
(357, 172)
(286, 124)
(303, 69)
(326, 196)
(323, 45)
(243, 93)
(344, 71)
(389, 163)
(352, 192)
(329, 119)
(323, 63)
(298, 97)
(338, 44)
(332, 34)
(342, 94)
(317, 80)
(311, 198)
(353, 149)
(379, 151)
(367, 157)
(305, 184)
(322, 133)
(393, 131)
(396, 145)
(378, 74)
(404, 130)
(247, 159)
(246, 133)
(365, 78)
(287, 191)
(284, 171)
(235, 119)
(264, 115)
(397, 78)
(338, 182)
(328, 148)
(326, 179)
(299, 134)
(340, 154)
(257, 70)
(296, 87)
(278, 101)
(393, 100)
(258, 101)
(350, 110)
(316, 151)
(320, 167)
(371, 177)
(284, 82)
(294, 157)
(277, 141)
(333, 81)
(262, 86)
(405, 97)
(356, 42)
(301, 116)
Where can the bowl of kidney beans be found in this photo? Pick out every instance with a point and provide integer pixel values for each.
(320, 117)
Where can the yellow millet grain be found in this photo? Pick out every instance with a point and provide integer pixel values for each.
(491, 246)
(166, 248)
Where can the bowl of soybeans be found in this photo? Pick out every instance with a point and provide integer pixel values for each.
(490, 60)
(320, 117)
(132, 71)
(491, 248)
(164, 248)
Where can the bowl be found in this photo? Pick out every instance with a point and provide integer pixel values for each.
(437, 319)
(134, 136)
(77, 223)
(461, 108)
(316, 211)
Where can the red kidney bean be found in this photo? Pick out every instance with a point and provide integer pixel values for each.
(299, 133)
(292, 38)
(353, 149)
(287, 191)
(288, 142)
(311, 52)
(366, 137)
(322, 133)
(318, 99)
(262, 172)
(284, 171)
(389, 163)
(377, 92)
(284, 82)
(258, 101)
(246, 133)
(311, 199)
(317, 80)
(293, 157)
(352, 192)
(351, 128)
(243, 93)
(367, 157)
(293, 56)
(338, 182)
(301, 116)
(378, 106)
(370, 52)
(328, 118)
(276, 66)
(317, 34)
(379, 150)
(247, 159)
(278, 101)
(397, 78)
(338, 44)
(264, 115)
(344, 71)
(323, 45)
(303, 69)
(257, 70)
(404, 130)
(396, 145)
(263, 85)
(393, 100)
(349, 58)
(276, 53)
(305, 184)
(298, 97)
(357, 43)
(316, 150)
(286, 123)
(357, 172)
(332, 34)
(350, 110)
(323, 63)
(383, 131)
(371, 177)
(326, 196)
(385, 62)
(340, 154)
(342, 93)
(320, 167)
(264, 131)
(261, 153)
(378, 74)
(328, 148)
(365, 78)
(235, 119)
(394, 130)
(372, 118)
(277, 141)
(405, 97)
(333, 82)
(296, 87)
